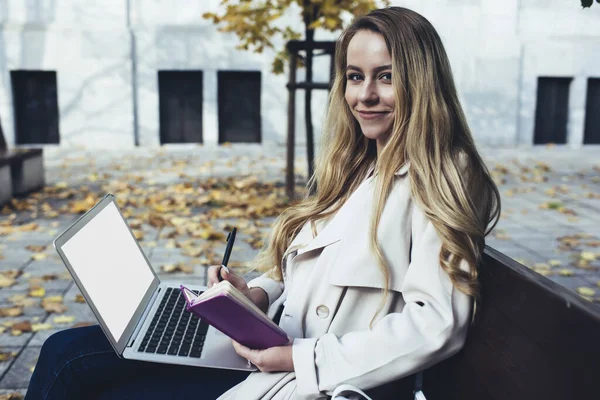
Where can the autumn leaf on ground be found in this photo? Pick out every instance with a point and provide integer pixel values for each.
(588, 256)
(11, 311)
(12, 396)
(193, 252)
(554, 263)
(209, 234)
(566, 272)
(586, 291)
(255, 243)
(179, 267)
(35, 249)
(24, 326)
(22, 300)
(82, 206)
(5, 356)
(63, 319)
(37, 292)
(54, 304)
(79, 298)
(39, 256)
(6, 281)
(41, 327)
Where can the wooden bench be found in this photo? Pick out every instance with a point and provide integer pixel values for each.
(532, 339)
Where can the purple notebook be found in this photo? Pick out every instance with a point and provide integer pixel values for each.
(230, 312)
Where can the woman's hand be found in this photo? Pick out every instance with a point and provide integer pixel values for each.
(256, 295)
(274, 359)
(237, 281)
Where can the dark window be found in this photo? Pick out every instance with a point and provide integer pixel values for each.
(180, 106)
(592, 112)
(35, 104)
(552, 110)
(239, 106)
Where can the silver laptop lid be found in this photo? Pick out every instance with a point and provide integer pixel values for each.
(110, 269)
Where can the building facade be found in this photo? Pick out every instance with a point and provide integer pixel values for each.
(124, 73)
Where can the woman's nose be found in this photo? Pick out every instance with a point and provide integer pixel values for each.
(368, 92)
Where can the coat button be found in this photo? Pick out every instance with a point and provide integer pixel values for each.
(322, 311)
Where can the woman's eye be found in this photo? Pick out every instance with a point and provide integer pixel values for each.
(387, 76)
(353, 77)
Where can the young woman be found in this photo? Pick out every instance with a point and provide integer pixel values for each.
(376, 273)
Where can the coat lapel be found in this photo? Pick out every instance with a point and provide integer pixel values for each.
(355, 264)
(332, 231)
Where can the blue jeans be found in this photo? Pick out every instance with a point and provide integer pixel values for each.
(80, 363)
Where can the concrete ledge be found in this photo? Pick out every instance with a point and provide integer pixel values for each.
(5, 184)
(27, 174)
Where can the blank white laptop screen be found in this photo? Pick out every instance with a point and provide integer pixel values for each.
(111, 267)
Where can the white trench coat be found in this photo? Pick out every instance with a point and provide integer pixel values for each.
(424, 319)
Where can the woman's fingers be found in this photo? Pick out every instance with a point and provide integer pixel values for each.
(212, 273)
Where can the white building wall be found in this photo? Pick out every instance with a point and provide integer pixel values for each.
(497, 51)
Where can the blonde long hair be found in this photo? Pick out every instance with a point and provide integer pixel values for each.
(449, 181)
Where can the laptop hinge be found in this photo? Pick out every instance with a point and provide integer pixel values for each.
(140, 323)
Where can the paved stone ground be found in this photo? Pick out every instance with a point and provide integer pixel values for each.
(550, 222)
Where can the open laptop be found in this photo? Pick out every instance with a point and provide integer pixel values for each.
(142, 317)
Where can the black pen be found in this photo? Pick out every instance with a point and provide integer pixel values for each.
(230, 240)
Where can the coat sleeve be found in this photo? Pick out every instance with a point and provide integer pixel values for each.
(272, 288)
(431, 327)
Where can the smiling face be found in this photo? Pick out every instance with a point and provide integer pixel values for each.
(369, 91)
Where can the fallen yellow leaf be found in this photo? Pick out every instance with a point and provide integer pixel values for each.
(63, 319)
(11, 311)
(37, 292)
(588, 256)
(586, 291)
(6, 281)
(40, 327)
(566, 272)
(54, 304)
(39, 256)
(5, 356)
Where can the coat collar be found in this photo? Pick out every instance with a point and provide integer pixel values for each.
(331, 230)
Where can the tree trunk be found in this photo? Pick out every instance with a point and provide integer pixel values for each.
(308, 101)
(310, 15)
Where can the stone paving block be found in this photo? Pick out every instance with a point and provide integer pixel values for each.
(4, 365)
(20, 373)
(7, 339)
(6, 265)
(17, 256)
(33, 311)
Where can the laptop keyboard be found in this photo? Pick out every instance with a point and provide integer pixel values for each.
(173, 330)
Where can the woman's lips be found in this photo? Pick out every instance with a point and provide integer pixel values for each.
(371, 114)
